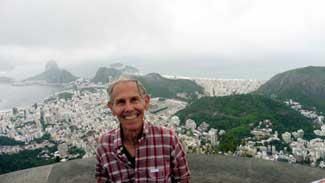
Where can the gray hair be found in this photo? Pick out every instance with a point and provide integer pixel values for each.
(141, 89)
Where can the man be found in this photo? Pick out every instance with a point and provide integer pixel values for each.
(138, 151)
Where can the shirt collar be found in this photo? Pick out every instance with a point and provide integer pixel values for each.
(118, 134)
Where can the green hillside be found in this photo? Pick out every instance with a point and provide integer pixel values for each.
(305, 85)
(235, 114)
(159, 86)
(6, 141)
(104, 75)
(107, 74)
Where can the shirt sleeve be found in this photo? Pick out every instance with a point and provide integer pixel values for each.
(101, 173)
(180, 169)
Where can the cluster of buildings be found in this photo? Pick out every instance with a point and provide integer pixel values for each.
(318, 118)
(289, 146)
(223, 87)
(72, 122)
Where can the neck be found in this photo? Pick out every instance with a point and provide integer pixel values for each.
(131, 136)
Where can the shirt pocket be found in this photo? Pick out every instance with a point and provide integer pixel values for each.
(157, 175)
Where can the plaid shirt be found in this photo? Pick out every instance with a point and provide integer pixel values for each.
(159, 157)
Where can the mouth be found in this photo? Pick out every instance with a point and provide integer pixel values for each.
(131, 116)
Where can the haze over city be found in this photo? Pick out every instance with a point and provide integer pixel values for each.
(220, 39)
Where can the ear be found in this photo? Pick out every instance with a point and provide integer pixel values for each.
(110, 106)
(147, 102)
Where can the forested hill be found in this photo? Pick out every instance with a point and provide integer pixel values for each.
(108, 74)
(159, 86)
(305, 85)
(236, 113)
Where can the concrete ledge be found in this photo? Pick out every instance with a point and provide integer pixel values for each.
(204, 168)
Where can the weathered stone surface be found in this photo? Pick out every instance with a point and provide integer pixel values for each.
(74, 172)
(204, 168)
(33, 175)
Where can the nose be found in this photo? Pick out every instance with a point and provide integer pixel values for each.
(128, 106)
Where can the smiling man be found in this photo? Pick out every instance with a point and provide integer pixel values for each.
(138, 151)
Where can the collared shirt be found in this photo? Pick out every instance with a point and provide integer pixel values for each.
(159, 157)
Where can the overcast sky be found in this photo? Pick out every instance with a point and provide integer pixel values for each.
(207, 38)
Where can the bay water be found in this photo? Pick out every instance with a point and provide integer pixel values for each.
(21, 96)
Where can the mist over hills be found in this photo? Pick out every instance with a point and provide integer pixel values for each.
(53, 74)
(305, 85)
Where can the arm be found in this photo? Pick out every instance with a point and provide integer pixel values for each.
(180, 169)
(101, 174)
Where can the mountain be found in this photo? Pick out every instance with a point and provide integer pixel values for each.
(236, 113)
(6, 79)
(53, 74)
(126, 69)
(106, 74)
(159, 86)
(156, 85)
(204, 169)
(304, 85)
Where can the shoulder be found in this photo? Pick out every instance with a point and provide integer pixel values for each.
(161, 130)
(106, 142)
(108, 136)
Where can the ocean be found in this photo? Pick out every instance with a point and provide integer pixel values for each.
(20, 96)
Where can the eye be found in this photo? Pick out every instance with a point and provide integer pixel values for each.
(120, 101)
(135, 99)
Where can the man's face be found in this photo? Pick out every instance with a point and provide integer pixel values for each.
(128, 105)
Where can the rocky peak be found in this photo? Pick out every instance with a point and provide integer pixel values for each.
(51, 65)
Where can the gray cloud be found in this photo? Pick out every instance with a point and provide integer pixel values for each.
(6, 65)
(219, 34)
(79, 24)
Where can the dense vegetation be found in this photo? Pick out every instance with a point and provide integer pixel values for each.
(24, 159)
(65, 95)
(305, 85)
(105, 75)
(6, 141)
(77, 151)
(45, 137)
(237, 113)
(159, 86)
